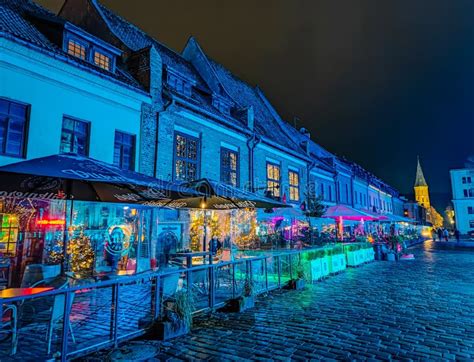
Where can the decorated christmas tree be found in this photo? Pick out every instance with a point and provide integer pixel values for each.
(54, 250)
(196, 230)
(81, 254)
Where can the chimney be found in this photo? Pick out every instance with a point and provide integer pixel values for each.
(306, 140)
(250, 118)
(249, 114)
(305, 132)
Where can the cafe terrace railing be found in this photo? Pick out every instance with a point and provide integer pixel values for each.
(100, 315)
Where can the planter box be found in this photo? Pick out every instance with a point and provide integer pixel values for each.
(338, 263)
(163, 331)
(239, 305)
(316, 270)
(296, 284)
(391, 257)
(354, 258)
(370, 255)
(361, 256)
(325, 266)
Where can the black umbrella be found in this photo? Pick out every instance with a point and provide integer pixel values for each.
(69, 176)
(220, 196)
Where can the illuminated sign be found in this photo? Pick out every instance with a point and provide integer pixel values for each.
(51, 222)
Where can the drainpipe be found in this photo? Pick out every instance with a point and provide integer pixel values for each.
(251, 144)
(165, 108)
(309, 168)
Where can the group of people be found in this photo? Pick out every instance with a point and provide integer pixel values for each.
(443, 234)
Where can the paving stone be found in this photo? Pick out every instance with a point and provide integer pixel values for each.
(404, 311)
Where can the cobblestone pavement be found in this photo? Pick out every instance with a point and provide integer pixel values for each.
(410, 310)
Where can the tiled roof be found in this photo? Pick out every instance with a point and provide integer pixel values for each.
(245, 95)
(136, 39)
(15, 21)
(12, 22)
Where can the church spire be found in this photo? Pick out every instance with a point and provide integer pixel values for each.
(420, 178)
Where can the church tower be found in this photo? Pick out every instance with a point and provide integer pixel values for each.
(422, 195)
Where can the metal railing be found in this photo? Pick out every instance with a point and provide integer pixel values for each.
(81, 319)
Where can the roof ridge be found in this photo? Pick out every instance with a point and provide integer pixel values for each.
(208, 60)
(102, 7)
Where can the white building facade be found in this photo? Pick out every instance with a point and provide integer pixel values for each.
(462, 183)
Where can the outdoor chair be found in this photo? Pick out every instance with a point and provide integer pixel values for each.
(57, 312)
(170, 285)
(9, 327)
(36, 273)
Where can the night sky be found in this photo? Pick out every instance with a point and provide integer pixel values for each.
(377, 81)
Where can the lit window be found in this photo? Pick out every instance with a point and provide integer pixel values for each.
(74, 137)
(273, 179)
(186, 157)
(76, 49)
(124, 151)
(229, 167)
(471, 224)
(294, 179)
(13, 121)
(102, 60)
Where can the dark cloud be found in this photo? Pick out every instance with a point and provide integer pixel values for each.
(377, 81)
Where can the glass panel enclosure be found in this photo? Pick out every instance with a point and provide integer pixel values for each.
(101, 238)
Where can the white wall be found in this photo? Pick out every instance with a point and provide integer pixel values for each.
(54, 88)
(462, 203)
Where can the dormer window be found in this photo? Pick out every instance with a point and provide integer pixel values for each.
(76, 49)
(179, 82)
(82, 45)
(222, 104)
(101, 60)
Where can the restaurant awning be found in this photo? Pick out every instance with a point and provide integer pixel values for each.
(347, 213)
(397, 218)
(69, 176)
(220, 196)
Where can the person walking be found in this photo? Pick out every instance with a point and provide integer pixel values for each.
(446, 234)
(440, 234)
(457, 235)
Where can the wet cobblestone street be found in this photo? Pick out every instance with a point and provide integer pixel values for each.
(410, 310)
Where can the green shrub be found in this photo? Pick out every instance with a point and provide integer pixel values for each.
(314, 254)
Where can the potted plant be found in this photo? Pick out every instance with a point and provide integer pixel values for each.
(298, 283)
(244, 301)
(176, 319)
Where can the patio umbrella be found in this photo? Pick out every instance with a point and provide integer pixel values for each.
(345, 212)
(73, 177)
(220, 196)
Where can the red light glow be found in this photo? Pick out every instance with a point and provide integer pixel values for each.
(51, 222)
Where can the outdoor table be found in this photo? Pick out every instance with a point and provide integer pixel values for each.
(189, 257)
(22, 292)
(6, 294)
